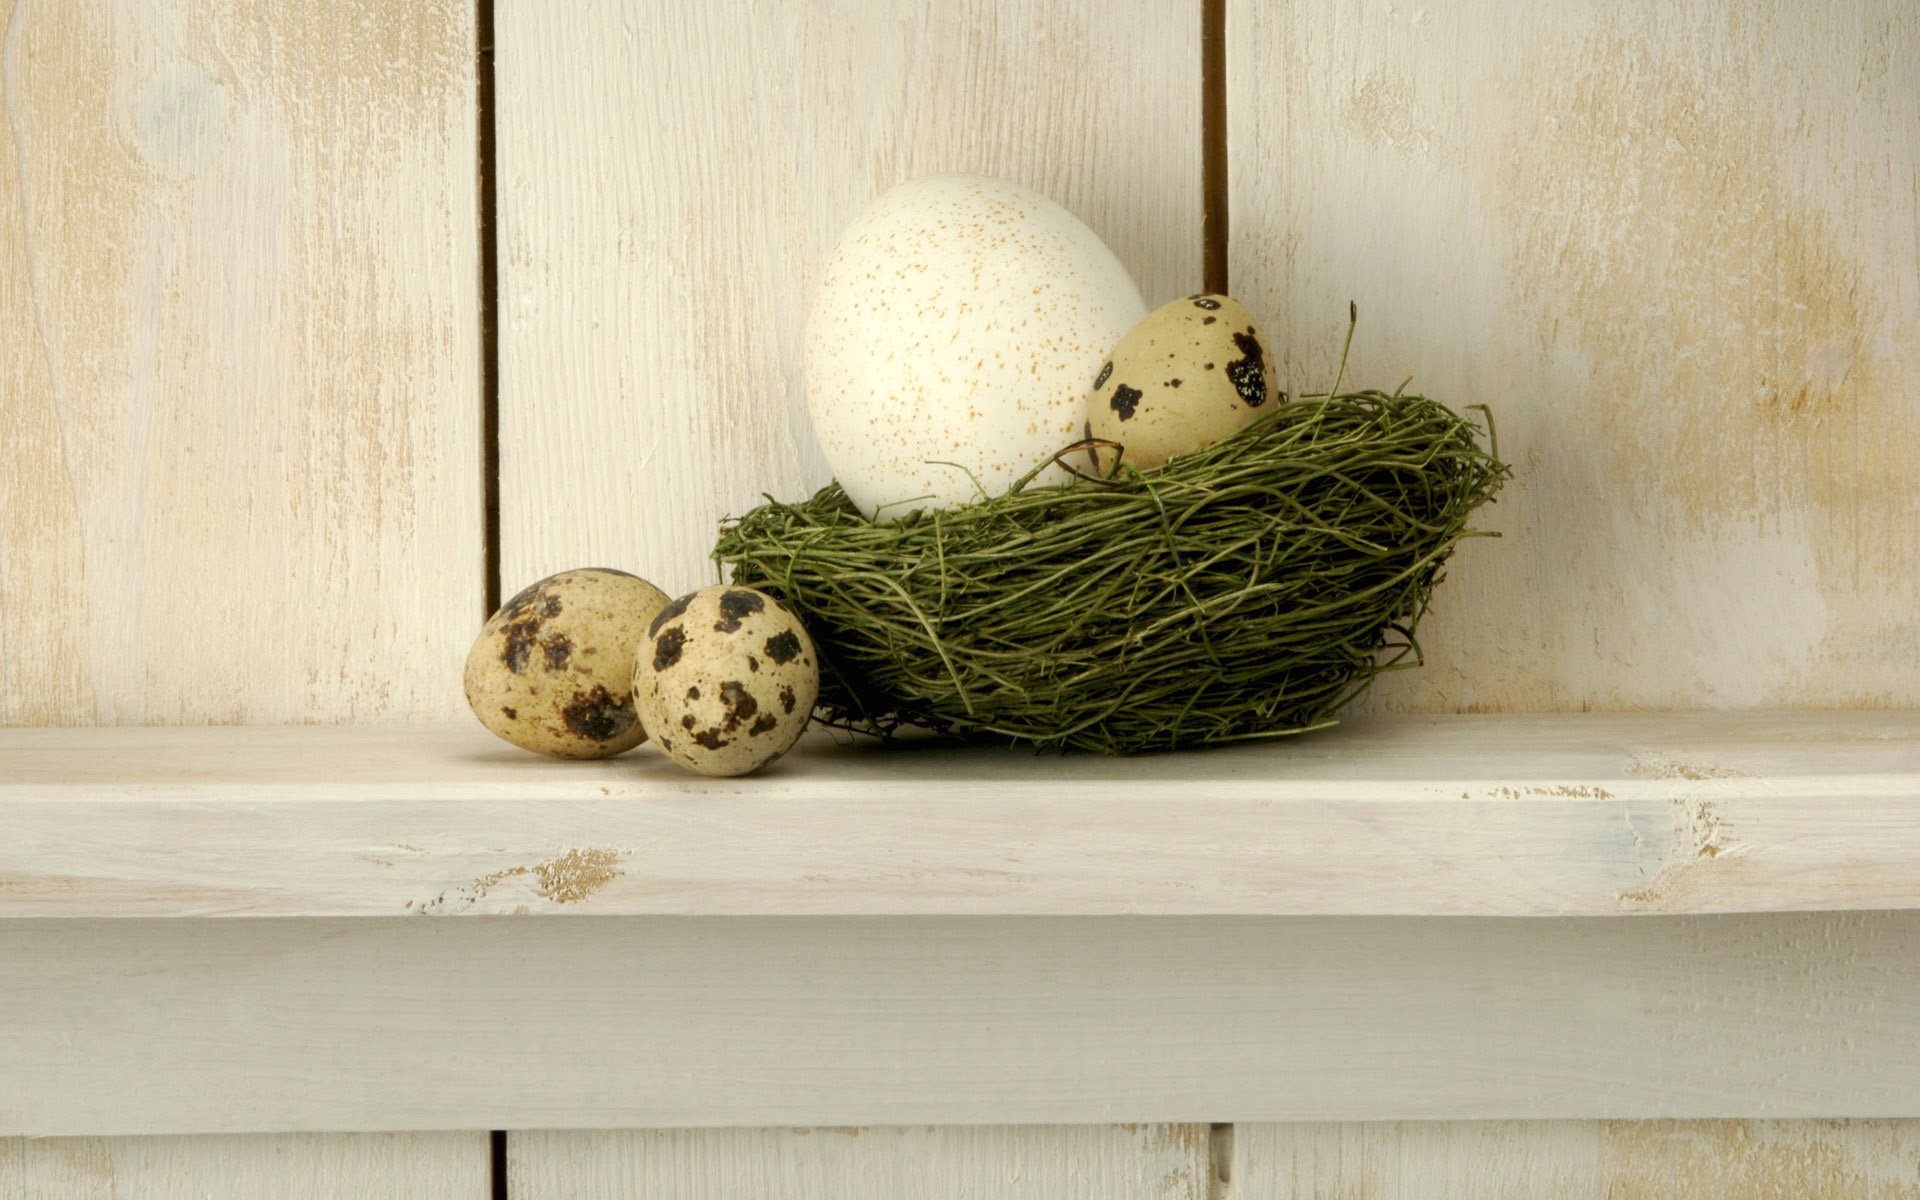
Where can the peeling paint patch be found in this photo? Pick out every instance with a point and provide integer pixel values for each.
(1700, 837)
(1805, 1160)
(1660, 766)
(1382, 110)
(577, 874)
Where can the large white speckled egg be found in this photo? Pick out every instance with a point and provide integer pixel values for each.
(949, 347)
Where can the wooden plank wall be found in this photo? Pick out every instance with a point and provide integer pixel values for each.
(1030, 1162)
(387, 1166)
(672, 177)
(239, 387)
(1676, 246)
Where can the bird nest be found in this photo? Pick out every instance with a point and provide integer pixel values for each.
(1246, 590)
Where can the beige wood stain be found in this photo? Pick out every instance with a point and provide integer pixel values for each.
(240, 475)
(1579, 1160)
(1677, 249)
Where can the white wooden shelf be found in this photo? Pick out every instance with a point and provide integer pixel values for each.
(1454, 816)
(1310, 930)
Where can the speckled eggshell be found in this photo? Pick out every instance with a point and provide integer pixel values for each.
(726, 680)
(552, 671)
(1193, 372)
(958, 321)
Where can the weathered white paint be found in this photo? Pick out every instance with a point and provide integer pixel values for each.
(120, 1027)
(1491, 815)
(673, 175)
(386, 1166)
(1676, 247)
(239, 472)
(1043, 1162)
(1579, 1160)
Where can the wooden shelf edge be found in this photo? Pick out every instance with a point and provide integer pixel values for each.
(1420, 816)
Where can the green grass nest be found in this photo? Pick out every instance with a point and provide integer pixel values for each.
(1246, 590)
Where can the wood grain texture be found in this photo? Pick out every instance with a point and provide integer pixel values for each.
(387, 1166)
(1579, 1160)
(1676, 247)
(240, 474)
(1594, 814)
(124, 1027)
(1043, 1162)
(673, 176)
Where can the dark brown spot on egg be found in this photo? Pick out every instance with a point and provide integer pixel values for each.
(1209, 366)
(519, 645)
(1100, 380)
(1205, 302)
(1173, 383)
(767, 721)
(1249, 379)
(551, 608)
(522, 599)
(787, 698)
(512, 714)
(693, 693)
(672, 610)
(740, 704)
(686, 721)
(734, 607)
(710, 738)
(782, 647)
(1125, 400)
(1208, 320)
(598, 715)
(665, 744)
(557, 648)
(753, 664)
(667, 647)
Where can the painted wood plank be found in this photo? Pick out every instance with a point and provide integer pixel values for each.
(1488, 815)
(672, 177)
(1045, 1162)
(240, 474)
(1580, 1160)
(1676, 247)
(124, 1027)
(403, 1166)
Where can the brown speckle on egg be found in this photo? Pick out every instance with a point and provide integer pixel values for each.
(667, 647)
(736, 603)
(599, 715)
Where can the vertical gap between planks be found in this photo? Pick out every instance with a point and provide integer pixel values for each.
(497, 1164)
(1220, 1162)
(1213, 235)
(489, 194)
(1213, 143)
(489, 234)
